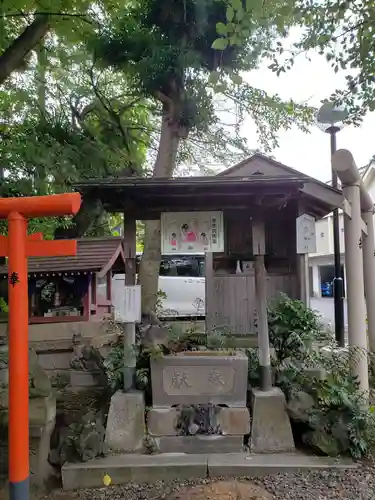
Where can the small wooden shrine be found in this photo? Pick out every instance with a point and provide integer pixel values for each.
(74, 288)
(260, 200)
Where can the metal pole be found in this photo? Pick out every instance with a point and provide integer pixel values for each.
(18, 359)
(338, 284)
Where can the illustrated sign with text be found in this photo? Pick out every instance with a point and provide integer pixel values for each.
(192, 232)
(306, 238)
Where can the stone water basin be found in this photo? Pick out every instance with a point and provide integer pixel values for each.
(198, 378)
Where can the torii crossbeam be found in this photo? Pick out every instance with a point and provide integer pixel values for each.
(17, 246)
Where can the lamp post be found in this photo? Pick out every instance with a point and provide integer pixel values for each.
(330, 120)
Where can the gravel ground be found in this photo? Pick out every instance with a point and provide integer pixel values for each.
(325, 485)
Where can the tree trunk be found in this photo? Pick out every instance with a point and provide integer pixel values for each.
(14, 55)
(41, 174)
(150, 263)
(90, 212)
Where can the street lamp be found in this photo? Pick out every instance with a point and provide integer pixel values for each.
(330, 119)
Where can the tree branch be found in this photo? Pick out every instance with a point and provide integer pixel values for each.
(83, 17)
(16, 53)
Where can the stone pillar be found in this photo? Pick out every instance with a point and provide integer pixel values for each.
(355, 286)
(369, 275)
(261, 300)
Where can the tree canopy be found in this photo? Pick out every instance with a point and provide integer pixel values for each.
(342, 31)
(171, 54)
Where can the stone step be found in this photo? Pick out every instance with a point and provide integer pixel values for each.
(170, 466)
(200, 444)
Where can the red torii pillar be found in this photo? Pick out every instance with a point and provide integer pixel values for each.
(17, 247)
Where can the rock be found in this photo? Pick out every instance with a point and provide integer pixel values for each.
(86, 360)
(321, 440)
(193, 429)
(91, 440)
(154, 335)
(299, 406)
(83, 441)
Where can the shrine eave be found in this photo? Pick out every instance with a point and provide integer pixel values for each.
(147, 198)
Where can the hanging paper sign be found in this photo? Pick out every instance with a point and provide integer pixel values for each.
(192, 232)
(306, 237)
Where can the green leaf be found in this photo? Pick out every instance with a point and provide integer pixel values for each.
(221, 88)
(240, 14)
(220, 44)
(237, 4)
(230, 14)
(237, 79)
(214, 77)
(221, 28)
(249, 5)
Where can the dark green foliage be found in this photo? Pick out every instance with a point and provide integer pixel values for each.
(166, 50)
(339, 420)
(292, 328)
(329, 413)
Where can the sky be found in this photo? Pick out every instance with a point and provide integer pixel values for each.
(311, 81)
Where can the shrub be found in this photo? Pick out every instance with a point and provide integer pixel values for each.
(328, 412)
(293, 328)
(338, 419)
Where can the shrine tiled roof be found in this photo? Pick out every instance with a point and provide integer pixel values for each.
(93, 255)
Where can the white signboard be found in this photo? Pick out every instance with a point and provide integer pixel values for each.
(306, 238)
(192, 232)
(127, 304)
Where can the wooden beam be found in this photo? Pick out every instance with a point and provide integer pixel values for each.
(130, 247)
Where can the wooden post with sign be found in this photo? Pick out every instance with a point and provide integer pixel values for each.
(131, 314)
(17, 246)
(306, 243)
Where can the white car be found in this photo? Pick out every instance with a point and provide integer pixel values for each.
(181, 281)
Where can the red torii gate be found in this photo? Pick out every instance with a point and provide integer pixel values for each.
(17, 246)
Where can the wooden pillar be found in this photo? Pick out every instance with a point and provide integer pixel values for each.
(258, 232)
(209, 275)
(303, 278)
(303, 269)
(130, 247)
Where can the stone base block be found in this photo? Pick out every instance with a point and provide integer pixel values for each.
(234, 421)
(162, 421)
(41, 472)
(231, 421)
(40, 469)
(82, 379)
(270, 430)
(136, 468)
(42, 410)
(200, 444)
(125, 424)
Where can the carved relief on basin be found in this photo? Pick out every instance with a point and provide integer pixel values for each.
(199, 379)
(191, 380)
